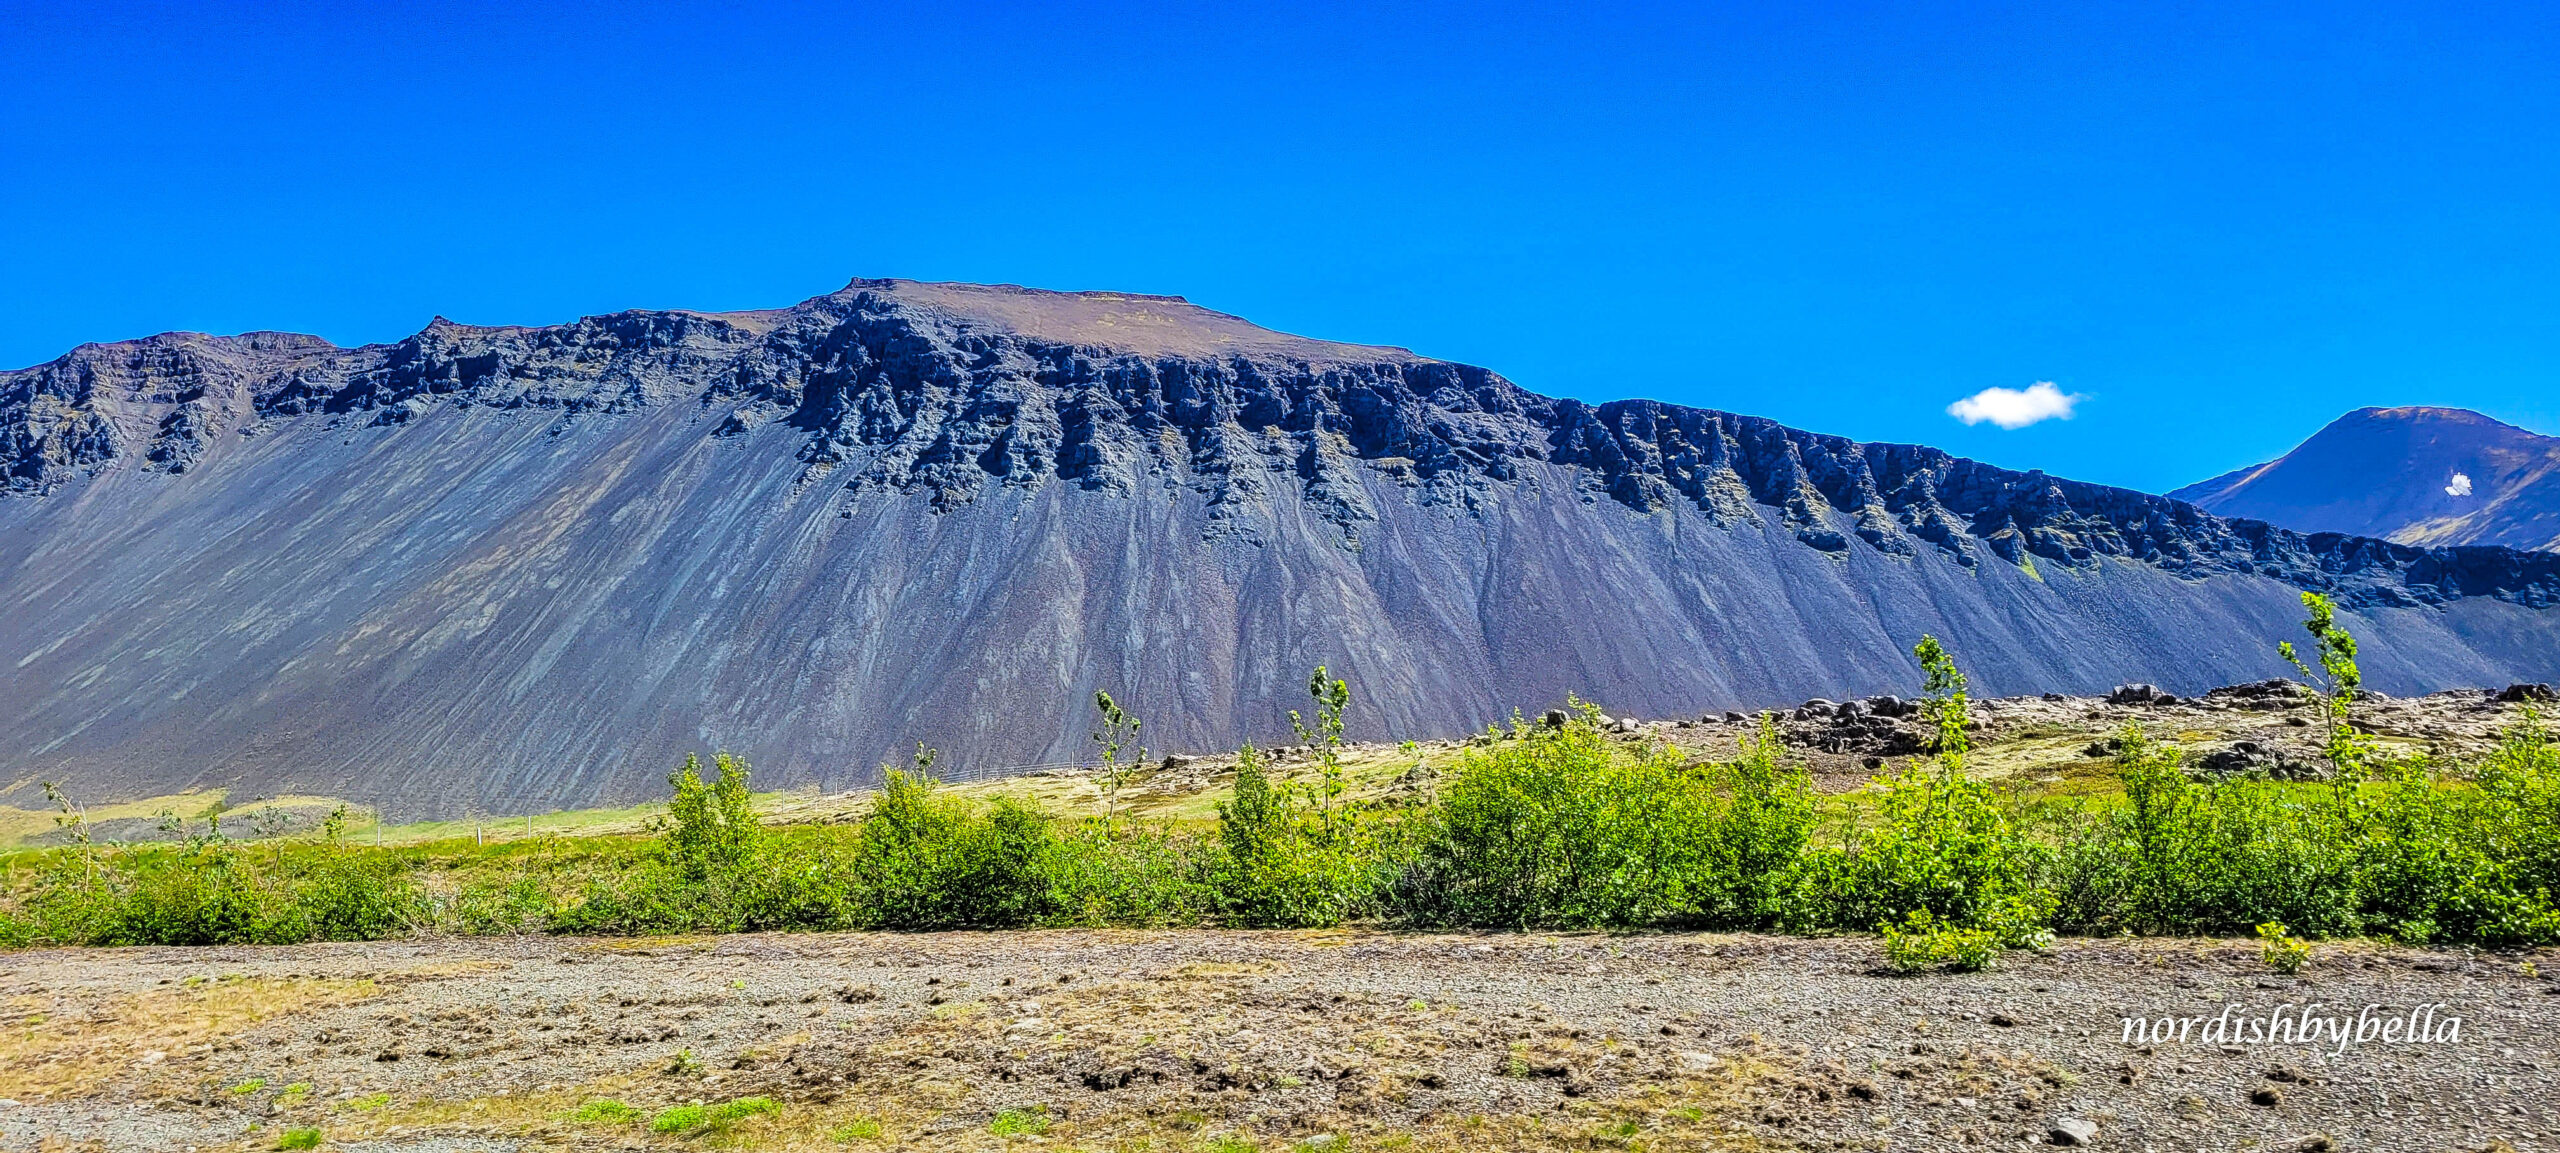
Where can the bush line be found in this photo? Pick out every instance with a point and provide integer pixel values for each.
(1540, 827)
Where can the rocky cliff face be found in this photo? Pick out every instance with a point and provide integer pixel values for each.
(2423, 476)
(511, 567)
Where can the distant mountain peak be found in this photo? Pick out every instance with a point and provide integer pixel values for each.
(2417, 474)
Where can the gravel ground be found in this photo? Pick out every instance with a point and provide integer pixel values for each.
(1187, 1040)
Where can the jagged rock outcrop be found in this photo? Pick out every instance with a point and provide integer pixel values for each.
(503, 567)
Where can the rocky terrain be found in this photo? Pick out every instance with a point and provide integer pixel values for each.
(1233, 1041)
(1211, 1041)
(2269, 727)
(2421, 476)
(508, 570)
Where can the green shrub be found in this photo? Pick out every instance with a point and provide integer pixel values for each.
(494, 907)
(298, 1138)
(2215, 854)
(928, 861)
(1292, 857)
(791, 879)
(211, 890)
(1285, 861)
(1946, 844)
(1922, 941)
(1113, 873)
(2282, 951)
(1559, 828)
(1553, 828)
(1760, 842)
(713, 868)
(714, 825)
(2390, 846)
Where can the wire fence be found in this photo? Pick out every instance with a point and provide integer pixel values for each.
(969, 775)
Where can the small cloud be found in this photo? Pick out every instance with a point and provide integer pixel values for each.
(2012, 408)
(2461, 485)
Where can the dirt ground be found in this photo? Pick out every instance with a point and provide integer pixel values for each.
(1229, 1041)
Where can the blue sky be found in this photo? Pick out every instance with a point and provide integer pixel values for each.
(2219, 224)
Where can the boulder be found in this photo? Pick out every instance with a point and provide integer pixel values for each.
(2252, 756)
(2135, 695)
(2073, 1131)
(2274, 693)
(2528, 694)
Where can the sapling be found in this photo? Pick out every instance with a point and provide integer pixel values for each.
(2334, 686)
(1325, 737)
(1118, 731)
(1947, 705)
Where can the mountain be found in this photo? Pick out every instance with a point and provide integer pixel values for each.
(513, 568)
(2423, 476)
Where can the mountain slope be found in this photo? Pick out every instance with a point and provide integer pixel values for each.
(518, 568)
(2425, 476)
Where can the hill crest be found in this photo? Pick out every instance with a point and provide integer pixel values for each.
(2415, 475)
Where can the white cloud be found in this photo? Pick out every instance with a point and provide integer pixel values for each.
(2461, 485)
(2012, 408)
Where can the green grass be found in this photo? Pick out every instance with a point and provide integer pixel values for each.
(711, 1118)
(680, 1119)
(604, 1111)
(1030, 1122)
(304, 1138)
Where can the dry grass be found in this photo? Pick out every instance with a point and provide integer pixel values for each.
(916, 1098)
(48, 1051)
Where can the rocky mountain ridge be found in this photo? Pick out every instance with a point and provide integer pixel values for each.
(509, 568)
(922, 396)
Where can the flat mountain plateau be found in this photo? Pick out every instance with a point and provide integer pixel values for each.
(1230, 1041)
(511, 570)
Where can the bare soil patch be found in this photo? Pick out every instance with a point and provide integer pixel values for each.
(1206, 1040)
